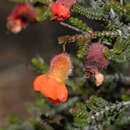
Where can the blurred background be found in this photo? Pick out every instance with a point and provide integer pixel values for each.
(16, 52)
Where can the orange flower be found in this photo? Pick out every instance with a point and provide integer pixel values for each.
(51, 84)
(60, 11)
(51, 88)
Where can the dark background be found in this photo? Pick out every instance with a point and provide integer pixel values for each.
(16, 52)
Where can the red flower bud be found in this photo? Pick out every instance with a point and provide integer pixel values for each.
(22, 15)
(95, 61)
(60, 11)
(95, 56)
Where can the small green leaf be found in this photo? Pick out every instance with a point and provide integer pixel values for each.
(44, 14)
(125, 98)
(107, 53)
(119, 45)
(37, 63)
(13, 119)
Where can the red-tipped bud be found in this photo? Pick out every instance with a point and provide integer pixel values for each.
(23, 14)
(61, 66)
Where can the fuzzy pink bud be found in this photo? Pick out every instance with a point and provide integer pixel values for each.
(95, 57)
(61, 66)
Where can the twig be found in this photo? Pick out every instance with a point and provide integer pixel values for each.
(107, 108)
(118, 77)
(126, 103)
(63, 107)
(98, 114)
(121, 2)
(72, 27)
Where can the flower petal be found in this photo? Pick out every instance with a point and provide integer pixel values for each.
(39, 82)
(51, 88)
(62, 93)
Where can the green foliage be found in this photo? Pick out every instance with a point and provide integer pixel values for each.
(125, 98)
(90, 13)
(110, 34)
(82, 47)
(124, 56)
(44, 14)
(12, 119)
(107, 53)
(78, 23)
(111, 27)
(127, 10)
(39, 65)
(121, 51)
(80, 42)
(82, 51)
(119, 45)
(96, 112)
(120, 9)
(91, 113)
(123, 121)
